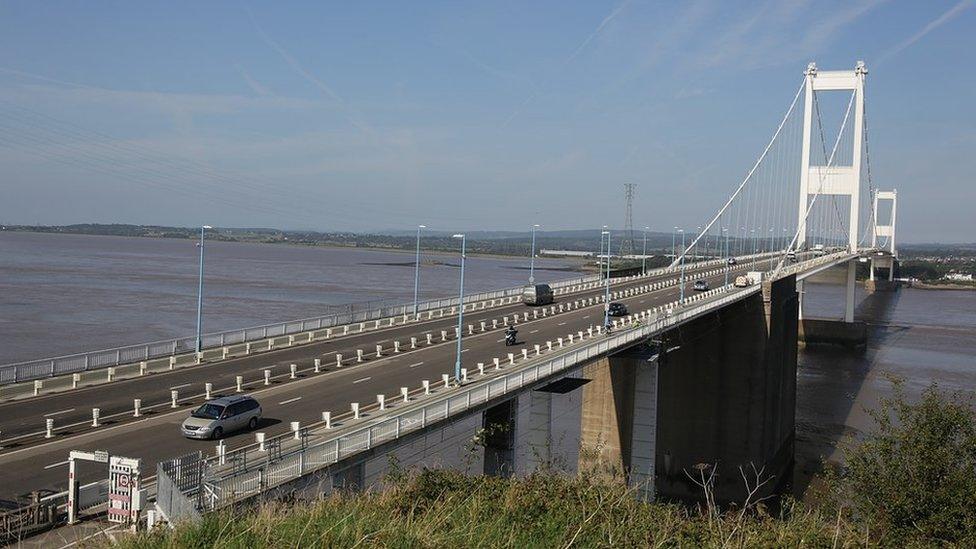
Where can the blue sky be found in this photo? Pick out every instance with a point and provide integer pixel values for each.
(460, 115)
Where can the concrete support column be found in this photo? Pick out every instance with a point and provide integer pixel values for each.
(849, 299)
(643, 440)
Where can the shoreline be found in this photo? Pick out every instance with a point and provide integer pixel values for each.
(571, 259)
(944, 287)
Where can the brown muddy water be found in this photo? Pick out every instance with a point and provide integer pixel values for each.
(63, 294)
(920, 336)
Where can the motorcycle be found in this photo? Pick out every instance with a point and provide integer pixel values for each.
(511, 338)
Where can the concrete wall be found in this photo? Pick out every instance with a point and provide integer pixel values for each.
(727, 396)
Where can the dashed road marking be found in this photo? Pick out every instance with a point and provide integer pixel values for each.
(180, 386)
(561, 324)
(289, 401)
(415, 364)
(534, 332)
(59, 413)
(58, 464)
(362, 380)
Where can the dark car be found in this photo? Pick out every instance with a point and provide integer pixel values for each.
(732, 261)
(617, 309)
(701, 285)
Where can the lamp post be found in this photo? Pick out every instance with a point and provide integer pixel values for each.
(200, 292)
(457, 363)
(682, 295)
(606, 295)
(728, 266)
(532, 257)
(644, 255)
(416, 272)
(674, 254)
(698, 232)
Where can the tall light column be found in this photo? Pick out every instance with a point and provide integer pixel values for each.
(606, 295)
(728, 266)
(457, 363)
(644, 255)
(200, 292)
(682, 295)
(532, 257)
(416, 272)
(674, 254)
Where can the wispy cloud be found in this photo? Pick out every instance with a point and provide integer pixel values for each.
(780, 32)
(949, 15)
(293, 63)
(255, 86)
(576, 52)
(57, 91)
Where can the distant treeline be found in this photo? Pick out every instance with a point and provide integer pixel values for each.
(478, 242)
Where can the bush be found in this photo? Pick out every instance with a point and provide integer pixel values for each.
(914, 478)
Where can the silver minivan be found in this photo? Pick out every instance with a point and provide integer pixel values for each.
(222, 415)
(537, 294)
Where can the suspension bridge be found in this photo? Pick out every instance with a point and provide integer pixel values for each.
(691, 374)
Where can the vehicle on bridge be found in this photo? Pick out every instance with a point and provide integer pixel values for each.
(732, 261)
(617, 309)
(750, 278)
(537, 294)
(701, 285)
(221, 416)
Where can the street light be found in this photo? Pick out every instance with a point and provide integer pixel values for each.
(674, 253)
(532, 257)
(644, 255)
(682, 295)
(200, 292)
(698, 232)
(416, 272)
(728, 266)
(606, 296)
(457, 363)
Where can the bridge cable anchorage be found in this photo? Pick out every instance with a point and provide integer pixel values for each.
(816, 195)
(704, 231)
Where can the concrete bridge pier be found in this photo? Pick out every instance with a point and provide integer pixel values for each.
(881, 284)
(726, 397)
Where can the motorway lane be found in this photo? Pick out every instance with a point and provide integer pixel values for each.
(73, 408)
(157, 436)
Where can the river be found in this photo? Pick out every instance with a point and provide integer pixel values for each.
(919, 336)
(62, 294)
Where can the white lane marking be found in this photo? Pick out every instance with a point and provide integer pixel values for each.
(180, 386)
(58, 464)
(362, 380)
(499, 340)
(587, 316)
(289, 401)
(534, 331)
(59, 413)
(414, 365)
(465, 350)
(641, 301)
(562, 324)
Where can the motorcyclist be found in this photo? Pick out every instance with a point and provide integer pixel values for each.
(510, 335)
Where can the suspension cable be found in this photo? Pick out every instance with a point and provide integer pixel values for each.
(744, 181)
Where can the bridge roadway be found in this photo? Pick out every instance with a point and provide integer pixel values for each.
(39, 464)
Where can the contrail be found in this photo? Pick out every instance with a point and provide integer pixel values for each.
(579, 49)
(949, 15)
(309, 77)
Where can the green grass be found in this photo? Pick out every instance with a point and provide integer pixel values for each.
(445, 509)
